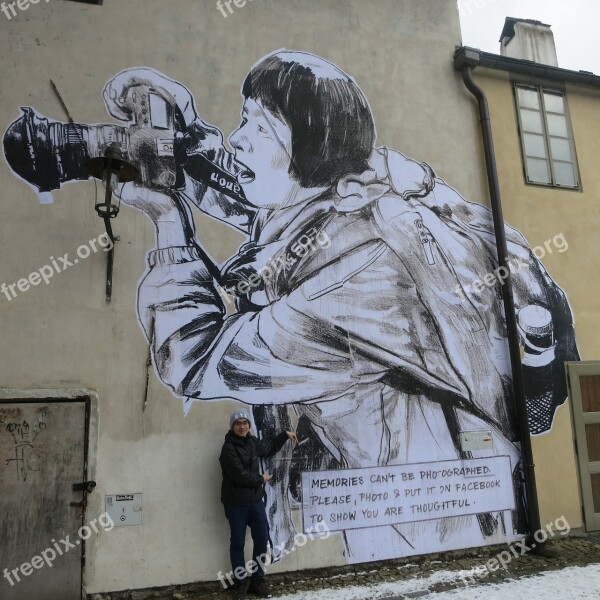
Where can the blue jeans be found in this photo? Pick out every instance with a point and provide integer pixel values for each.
(255, 517)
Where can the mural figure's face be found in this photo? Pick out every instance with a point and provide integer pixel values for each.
(263, 142)
(241, 427)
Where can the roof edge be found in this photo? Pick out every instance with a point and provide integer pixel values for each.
(473, 57)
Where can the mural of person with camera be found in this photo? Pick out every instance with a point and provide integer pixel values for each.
(366, 338)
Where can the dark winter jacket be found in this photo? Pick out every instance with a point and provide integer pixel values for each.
(242, 479)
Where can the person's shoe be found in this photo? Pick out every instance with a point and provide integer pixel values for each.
(238, 590)
(260, 588)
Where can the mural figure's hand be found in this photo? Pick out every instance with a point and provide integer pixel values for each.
(174, 93)
(201, 137)
(266, 477)
(156, 205)
(292, 436)
(170, 213)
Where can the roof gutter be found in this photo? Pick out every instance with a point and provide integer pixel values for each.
(465, 56)
(465, 61)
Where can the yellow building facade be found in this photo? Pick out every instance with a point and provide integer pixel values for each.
(561, 223)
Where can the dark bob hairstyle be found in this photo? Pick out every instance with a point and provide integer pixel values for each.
(330, 119)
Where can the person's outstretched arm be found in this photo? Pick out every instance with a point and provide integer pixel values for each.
(270, 446)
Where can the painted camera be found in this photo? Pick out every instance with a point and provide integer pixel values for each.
(47, 153)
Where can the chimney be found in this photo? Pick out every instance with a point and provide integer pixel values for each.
(528, 40)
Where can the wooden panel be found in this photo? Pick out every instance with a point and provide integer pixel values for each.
(41, 456)
(592, 436)
(596, 492)
(590, 392)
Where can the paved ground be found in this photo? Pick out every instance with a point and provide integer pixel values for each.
(572, 551)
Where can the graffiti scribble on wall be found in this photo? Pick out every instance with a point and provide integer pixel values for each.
(23, 453)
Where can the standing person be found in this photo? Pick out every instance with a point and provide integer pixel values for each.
(242, 496)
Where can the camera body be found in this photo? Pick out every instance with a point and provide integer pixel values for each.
(150, 139)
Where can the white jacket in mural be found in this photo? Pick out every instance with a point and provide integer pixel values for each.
(352, 310)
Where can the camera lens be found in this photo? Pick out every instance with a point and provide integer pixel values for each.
(47, 153)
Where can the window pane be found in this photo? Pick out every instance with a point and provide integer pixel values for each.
(557, 125)
(534, 145)
(548, 146)
(564, 174)
(554, 103)
(537, 170)
(528, 98)
(531, 120)
(561, 149)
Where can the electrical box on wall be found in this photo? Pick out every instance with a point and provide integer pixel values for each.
(124, 509)
(476, 440)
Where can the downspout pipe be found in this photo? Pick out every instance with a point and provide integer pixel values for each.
(533, 510)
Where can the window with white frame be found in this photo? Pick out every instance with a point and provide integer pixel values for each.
(546, 137)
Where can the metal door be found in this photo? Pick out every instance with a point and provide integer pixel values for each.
(42, 454)
(584, 382)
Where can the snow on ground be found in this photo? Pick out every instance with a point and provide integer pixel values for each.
(572, 583)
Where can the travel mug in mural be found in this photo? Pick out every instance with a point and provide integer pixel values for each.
(537, 336)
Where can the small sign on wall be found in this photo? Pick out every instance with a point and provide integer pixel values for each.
(476, 440)
(124, 509)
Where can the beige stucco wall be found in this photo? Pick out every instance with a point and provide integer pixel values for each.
(65, 335)
(542, 213)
